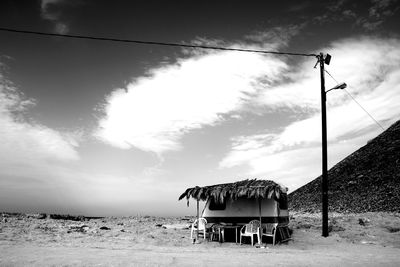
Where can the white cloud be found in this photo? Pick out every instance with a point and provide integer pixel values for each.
(372, 69)
(31, 156)
(41, 171)
(154, 112)
(24, 142)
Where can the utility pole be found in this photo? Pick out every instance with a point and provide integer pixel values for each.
(324, 180)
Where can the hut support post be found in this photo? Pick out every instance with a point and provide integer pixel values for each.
(198, 219)
(260, 230)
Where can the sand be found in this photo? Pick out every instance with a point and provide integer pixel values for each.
(370, 239)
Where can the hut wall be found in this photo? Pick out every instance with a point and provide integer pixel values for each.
(244, 210)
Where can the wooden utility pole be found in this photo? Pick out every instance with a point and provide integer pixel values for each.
(324, 180)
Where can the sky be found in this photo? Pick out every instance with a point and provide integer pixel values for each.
(102, 128)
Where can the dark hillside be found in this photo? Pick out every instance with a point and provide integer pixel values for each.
(367, 180)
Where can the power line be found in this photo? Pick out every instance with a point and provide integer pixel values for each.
(357, 103)
(154, 43)
(182, 45)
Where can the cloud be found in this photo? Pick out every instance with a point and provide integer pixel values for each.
(153, 112)
(68, 189)
(382, 8)
(50, 10)
(378, 12)
(299, 6)
(349, 14)
(28, 142)
(31, 156)
(292, 155)
(333, 12)
(276, 37)
(41, 170)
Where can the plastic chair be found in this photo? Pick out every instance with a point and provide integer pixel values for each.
(199, 227)
(216, 232)
(269, 230)
(249, 230)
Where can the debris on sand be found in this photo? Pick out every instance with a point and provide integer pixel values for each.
(67, 217)
(39, 216)
(363, 221)
(176, 226)
(78, 228)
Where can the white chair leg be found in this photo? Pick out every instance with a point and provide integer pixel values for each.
(252, 240)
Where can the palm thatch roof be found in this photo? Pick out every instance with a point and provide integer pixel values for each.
(247, 188)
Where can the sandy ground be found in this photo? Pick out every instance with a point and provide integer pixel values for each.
(371, 239)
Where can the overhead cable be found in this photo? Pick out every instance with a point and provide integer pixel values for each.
(357, 103)
(154, 43)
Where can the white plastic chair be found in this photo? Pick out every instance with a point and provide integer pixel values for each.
(216, 232)
(269, 230)
(199, 227)
(249, 230)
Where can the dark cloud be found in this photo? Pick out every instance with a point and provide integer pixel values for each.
(299, 7)
(57, 12)
(369, 16)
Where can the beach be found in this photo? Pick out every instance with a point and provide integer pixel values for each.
(368, 239)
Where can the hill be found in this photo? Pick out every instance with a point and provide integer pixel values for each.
(368, 180)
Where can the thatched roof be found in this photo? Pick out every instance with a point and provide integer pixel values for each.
(247, 188)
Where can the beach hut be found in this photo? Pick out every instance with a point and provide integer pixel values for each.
(240, 202)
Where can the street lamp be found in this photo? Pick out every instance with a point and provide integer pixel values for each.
(339, 86)
(325, 60)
